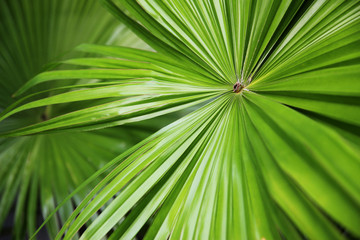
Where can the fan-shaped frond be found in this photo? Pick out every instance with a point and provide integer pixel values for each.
(38, 172)
(274, 153)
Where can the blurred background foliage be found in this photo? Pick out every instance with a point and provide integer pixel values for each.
(37, 172)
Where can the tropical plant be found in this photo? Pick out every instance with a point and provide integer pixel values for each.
(273, 150)
(38, 172)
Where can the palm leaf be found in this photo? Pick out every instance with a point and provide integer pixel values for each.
(276, 157)
(38, 172)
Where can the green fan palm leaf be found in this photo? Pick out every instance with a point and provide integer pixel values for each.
(38, 172)
(274, 155)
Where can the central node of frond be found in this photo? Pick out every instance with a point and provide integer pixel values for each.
(238, 87)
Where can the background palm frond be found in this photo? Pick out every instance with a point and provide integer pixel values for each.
(38, 172)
